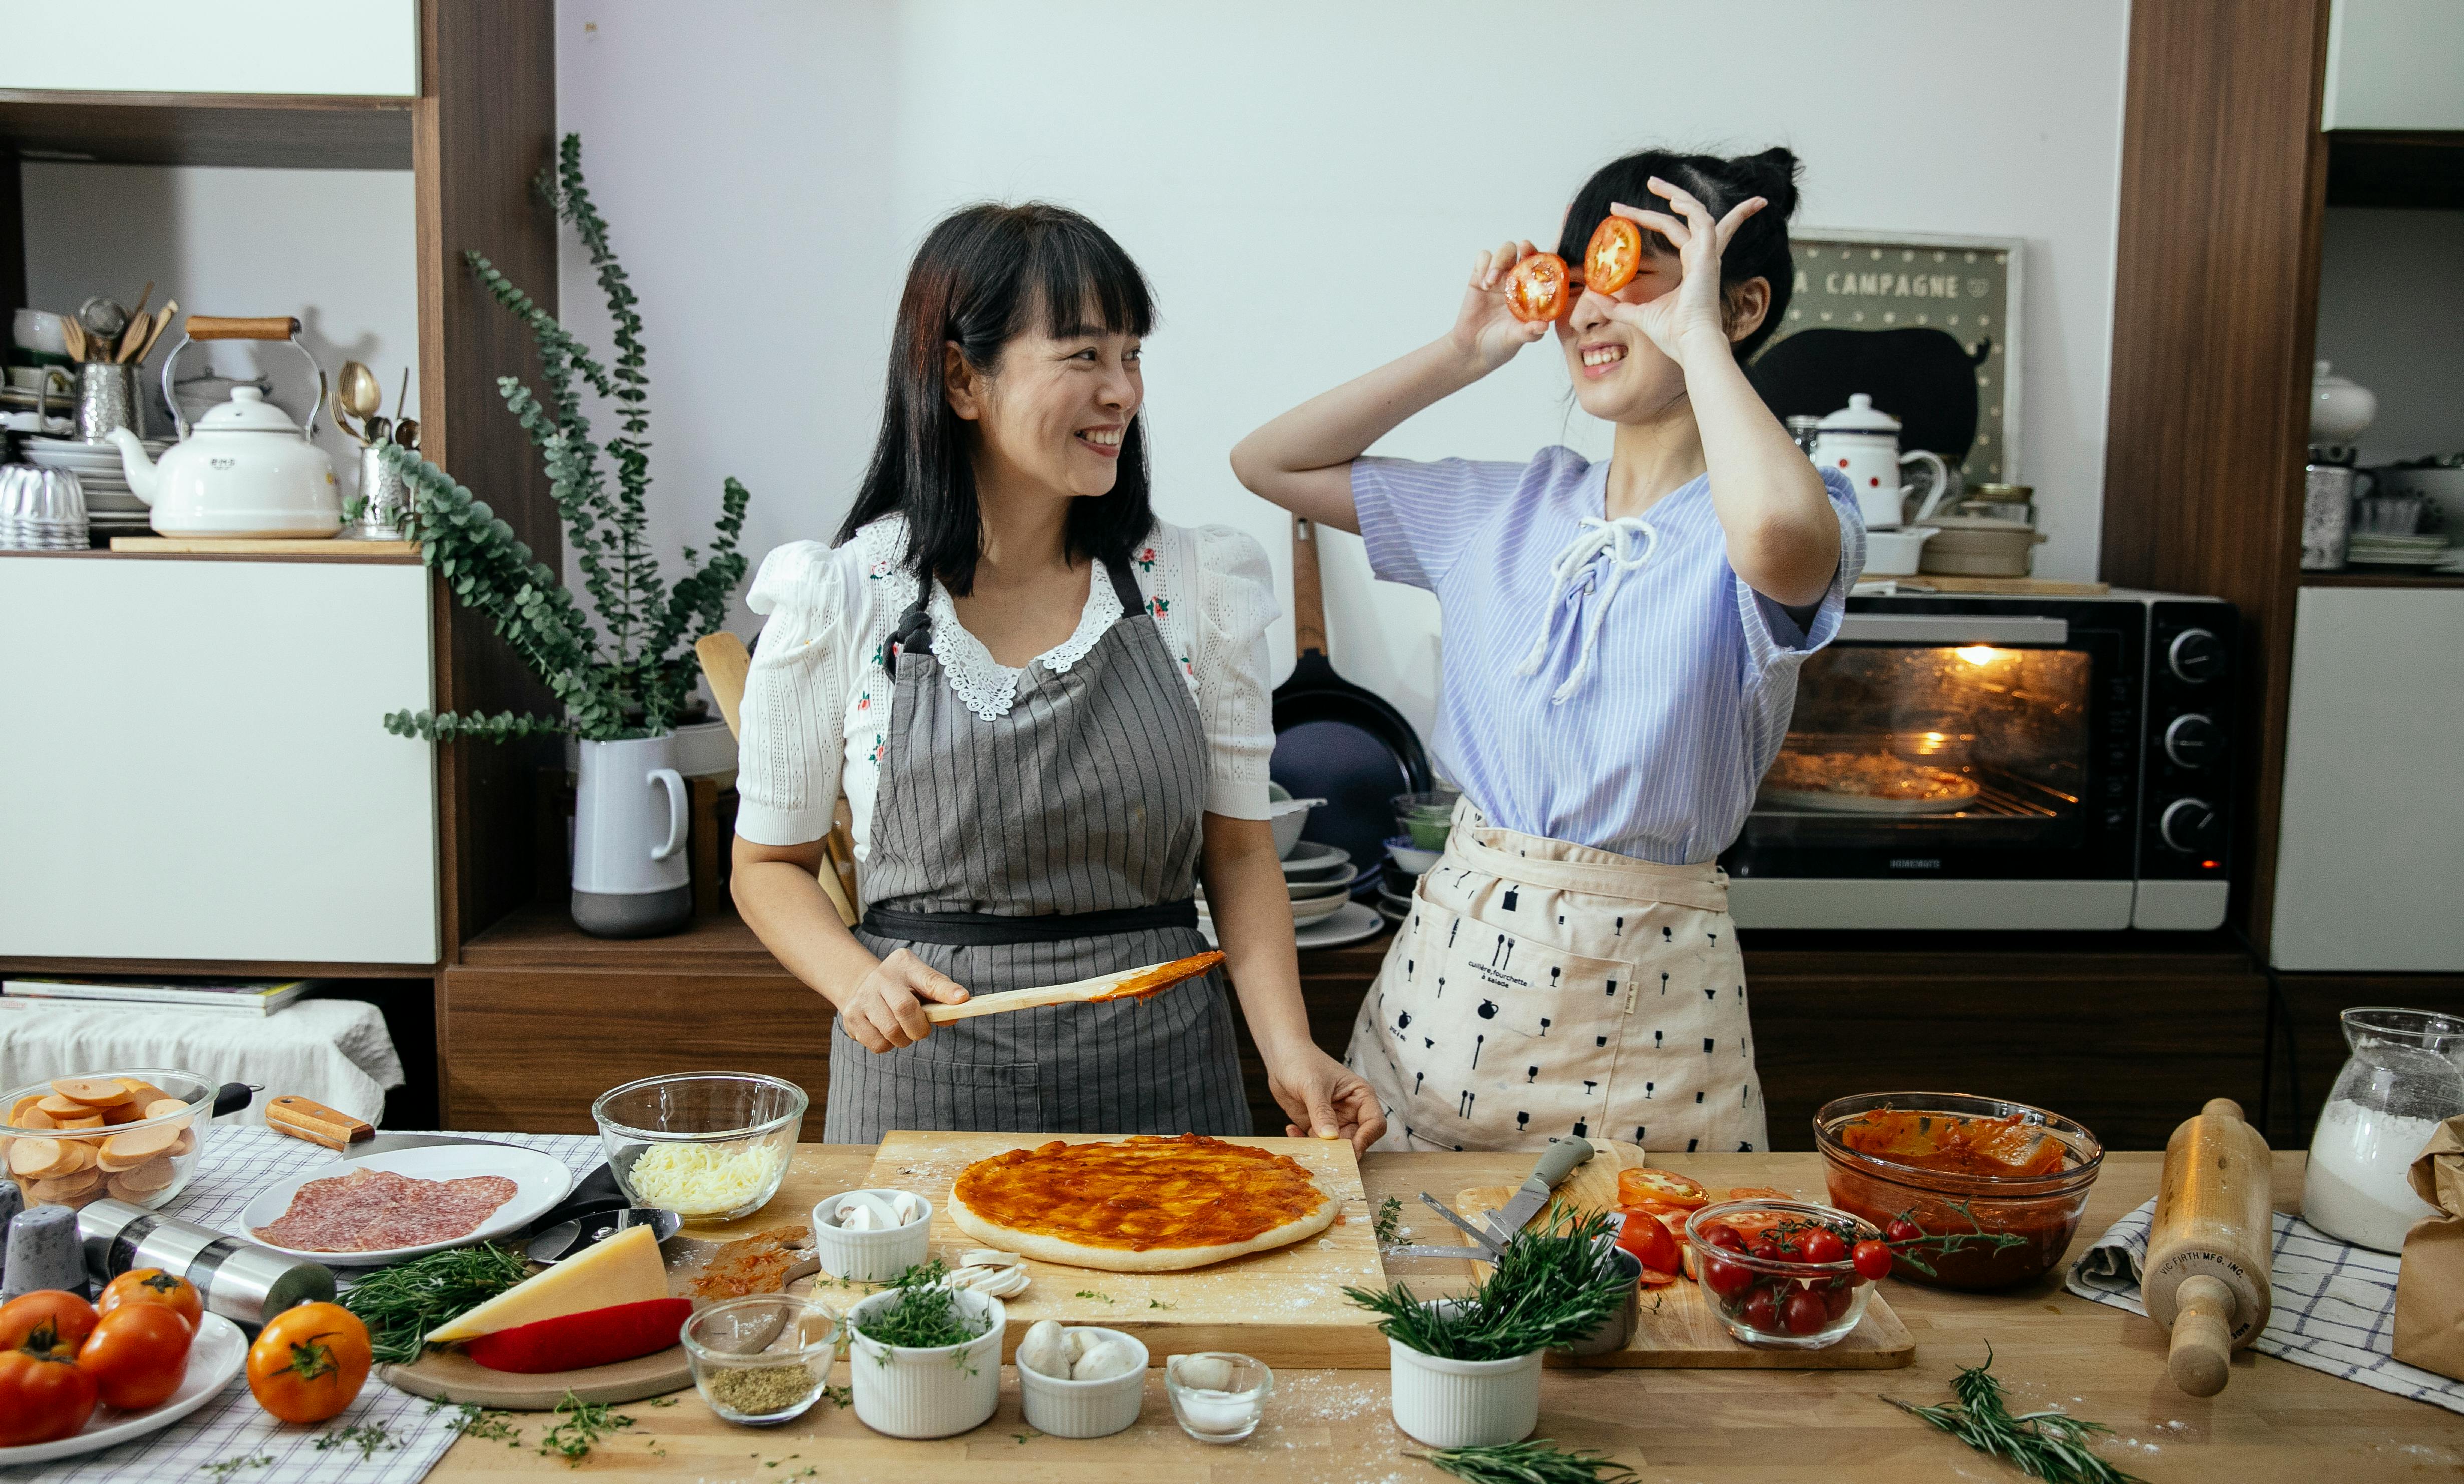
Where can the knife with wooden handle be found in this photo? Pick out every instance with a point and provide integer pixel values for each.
(1129, 984)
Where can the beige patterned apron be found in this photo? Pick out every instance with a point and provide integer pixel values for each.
(1542, 989)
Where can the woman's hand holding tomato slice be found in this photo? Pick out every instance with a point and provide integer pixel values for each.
(1693, 310)
(1486, 329)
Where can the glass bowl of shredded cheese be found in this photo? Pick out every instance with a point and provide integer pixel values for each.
(708, 1145)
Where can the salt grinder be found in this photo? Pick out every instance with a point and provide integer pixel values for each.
(241, 1281)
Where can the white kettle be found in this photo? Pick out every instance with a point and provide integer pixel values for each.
(1862, 441)
(245, 469)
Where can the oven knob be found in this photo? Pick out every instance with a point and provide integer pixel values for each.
(2189, 825)
(2195, 656)
(2193, 741)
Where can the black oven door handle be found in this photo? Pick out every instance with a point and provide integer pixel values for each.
(1927, 628)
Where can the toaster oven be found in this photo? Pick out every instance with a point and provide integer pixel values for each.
(1999, 762)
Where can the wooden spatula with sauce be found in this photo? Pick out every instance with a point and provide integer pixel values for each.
(1129, 984)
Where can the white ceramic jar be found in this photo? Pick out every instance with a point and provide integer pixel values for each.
(1060, 1408)
(926, 1392)
(2340, 410)
(632, 877)
(1863, 443)
(1465, 1404)
(874, 1256)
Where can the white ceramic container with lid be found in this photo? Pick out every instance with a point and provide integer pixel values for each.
(1862, 441)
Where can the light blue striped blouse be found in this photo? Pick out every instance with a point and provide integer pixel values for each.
(1610, 684)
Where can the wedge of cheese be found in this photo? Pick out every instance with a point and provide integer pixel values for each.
(624, 1269)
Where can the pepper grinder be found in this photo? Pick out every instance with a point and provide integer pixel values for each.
(241, 1281)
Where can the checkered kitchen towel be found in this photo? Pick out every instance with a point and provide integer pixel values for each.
(2334, 1303)
(230, 1438)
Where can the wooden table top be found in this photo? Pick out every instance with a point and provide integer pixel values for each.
(2274, 1420)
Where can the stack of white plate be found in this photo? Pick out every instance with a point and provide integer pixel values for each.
(2371, 548)
(111, 507)
(1321, 878)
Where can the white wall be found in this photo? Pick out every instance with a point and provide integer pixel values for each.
(2391, 316)
(769, 168)
(332, 248)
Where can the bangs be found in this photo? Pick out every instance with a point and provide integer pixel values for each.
(1080, 283)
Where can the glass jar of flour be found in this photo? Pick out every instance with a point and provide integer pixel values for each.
(2402, 1080)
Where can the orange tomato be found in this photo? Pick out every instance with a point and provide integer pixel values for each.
(137, 1355)
(154, 1286)
(48, 1319)
(1756, 1192)
(1613, 256)
(309, 1363)
(1642, 1183)
(1538, 289)
(43, 1397)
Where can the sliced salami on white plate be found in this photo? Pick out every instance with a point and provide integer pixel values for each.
(383, 1208)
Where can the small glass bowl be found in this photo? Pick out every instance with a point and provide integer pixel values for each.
(730, 1341)
(1426, 817)
(1217, 1396)
(1969, 1214)
(746, 1120)
(1756, 1297)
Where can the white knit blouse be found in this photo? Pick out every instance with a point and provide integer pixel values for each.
(815, 721)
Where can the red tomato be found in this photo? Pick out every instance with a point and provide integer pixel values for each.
(1653, 1278)
(1719, 1233)
(64, 1318)
(1727, 1279)
(1823, 1245)
(137, 1355)
(309, 1363)
(1835, 1301)
(1806, 1313)
(1873, 1261)
(1761, 1311)
(1537, 289)
(1901, 1230)
(1642, 1235)
(43, 1397)
(1642, 1183)
(153, 1286)
(1613, 256)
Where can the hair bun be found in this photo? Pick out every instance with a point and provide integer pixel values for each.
(1776, 172)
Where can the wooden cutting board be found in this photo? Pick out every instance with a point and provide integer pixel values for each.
(1284, 1307)
(1677, 1329)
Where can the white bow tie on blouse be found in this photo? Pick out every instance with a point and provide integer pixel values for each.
(1613, 537)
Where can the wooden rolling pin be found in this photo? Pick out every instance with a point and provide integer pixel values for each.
(2209, 1248)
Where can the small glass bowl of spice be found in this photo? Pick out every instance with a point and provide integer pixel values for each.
(1216, 1397)
(761, 1359)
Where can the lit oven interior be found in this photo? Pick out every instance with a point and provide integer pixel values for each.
(1987, 745)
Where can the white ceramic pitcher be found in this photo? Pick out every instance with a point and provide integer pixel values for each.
(632, 877)
(1862, 441)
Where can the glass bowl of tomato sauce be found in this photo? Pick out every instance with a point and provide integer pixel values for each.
(1785, 1274)
(1972, 1193)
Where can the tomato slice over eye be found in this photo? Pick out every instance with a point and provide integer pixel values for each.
(1537, 289)
(1614, 257)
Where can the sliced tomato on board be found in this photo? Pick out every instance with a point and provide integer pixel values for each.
(1642, 1182)
(1613, 256)
(1643, 1235)
(1653, 1278)
(1756, 1192)
(1538, 289)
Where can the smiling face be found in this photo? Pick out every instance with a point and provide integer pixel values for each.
(1055, 409)
(1618, 375)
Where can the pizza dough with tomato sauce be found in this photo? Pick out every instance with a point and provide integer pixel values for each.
(1143, 1204)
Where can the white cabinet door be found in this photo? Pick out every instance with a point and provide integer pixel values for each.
(193, 766)
(2394, 64)
(2369, 855)
(361, 48)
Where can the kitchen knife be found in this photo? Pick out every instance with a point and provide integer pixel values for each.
(1556, 1162)
(1485, 1248)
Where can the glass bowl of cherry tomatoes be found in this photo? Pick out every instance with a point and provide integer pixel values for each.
(1785, 1275)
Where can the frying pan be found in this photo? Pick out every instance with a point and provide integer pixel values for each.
(1334, 740)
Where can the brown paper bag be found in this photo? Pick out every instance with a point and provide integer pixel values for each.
(2430, 1286)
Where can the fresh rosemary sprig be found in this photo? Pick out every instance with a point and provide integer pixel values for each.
(1943, 1244)
(924, 1315)
(2050, 1446)
(579, 1425)
(1388, 1224)
(399, 1304)
(1551, 1286)
(1536, 1461)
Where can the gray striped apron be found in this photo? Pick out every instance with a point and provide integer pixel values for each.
(1058, 842)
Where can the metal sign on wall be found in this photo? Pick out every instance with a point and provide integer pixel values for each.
(1928, 326)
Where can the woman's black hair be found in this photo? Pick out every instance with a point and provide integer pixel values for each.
(983, 276)
(1758, 251)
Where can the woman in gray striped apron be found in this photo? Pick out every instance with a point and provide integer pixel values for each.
(1047, 713)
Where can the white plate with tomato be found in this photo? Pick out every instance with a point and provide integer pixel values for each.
(33, 1389)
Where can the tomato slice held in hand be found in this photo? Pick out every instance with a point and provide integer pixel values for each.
(137, 1356)
(309, 1363)
(1538, 289)
(43, 1397)
(1643, 1234)
(1614, 257)
(153, 1286)
(52, 1319)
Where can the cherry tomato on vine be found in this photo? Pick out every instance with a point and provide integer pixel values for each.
(1613, 256)
(137, 1355)
(153, 1286)
(1873, 1261)
(1719, 1233)
(1537, 290)
(63, 1315)
(1824, 1244)
(1836, 1302)
(1807, 1312)
(1901, 1230)
(1761, 1311)
(43, 1396)
(1726, 1277)
(309, 1363)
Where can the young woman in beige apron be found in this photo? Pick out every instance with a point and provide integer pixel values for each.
(1622, 646)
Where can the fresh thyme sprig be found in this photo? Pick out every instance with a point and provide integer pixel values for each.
(2050, 1446)
(399, 1304)
(579, 1425)
(1551, 1286)
(1387, 1224)
(924, 1315)
(1536, 1461)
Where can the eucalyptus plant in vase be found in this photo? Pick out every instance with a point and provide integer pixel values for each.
(621, 672)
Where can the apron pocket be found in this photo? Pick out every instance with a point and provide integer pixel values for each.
(1488, 1032)
(912, 1091)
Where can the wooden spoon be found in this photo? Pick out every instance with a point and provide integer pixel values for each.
(161, 322)
(134, 337)
(1130, 984)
